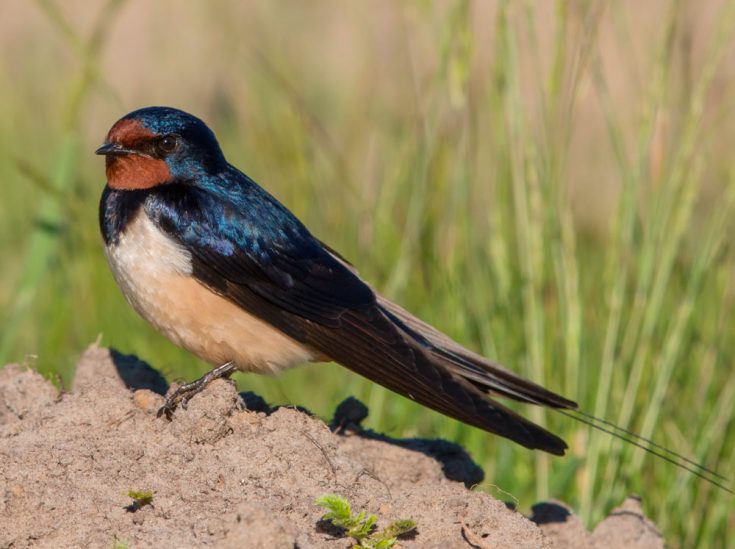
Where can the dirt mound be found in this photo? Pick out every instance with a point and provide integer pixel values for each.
(224, 476)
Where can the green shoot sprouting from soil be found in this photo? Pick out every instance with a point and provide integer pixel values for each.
(140, 498)
(361, 527)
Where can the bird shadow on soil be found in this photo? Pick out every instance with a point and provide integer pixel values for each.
(549, 512)
(138, 374)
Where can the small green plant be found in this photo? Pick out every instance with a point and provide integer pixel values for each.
(361, 527)
(141, 498)
(118, 543)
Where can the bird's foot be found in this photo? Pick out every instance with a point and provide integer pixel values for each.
(184, 394)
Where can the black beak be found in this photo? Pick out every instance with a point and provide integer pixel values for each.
(113, 149)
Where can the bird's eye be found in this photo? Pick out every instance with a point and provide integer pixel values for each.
(167, 144)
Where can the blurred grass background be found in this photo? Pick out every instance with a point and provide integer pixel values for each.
(551, 183)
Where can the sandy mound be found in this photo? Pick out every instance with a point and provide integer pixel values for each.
(223, 476)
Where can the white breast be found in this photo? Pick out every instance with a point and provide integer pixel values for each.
(154, 273)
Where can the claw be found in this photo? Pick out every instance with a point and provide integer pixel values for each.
(185, 393)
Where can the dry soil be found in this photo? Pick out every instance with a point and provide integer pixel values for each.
(232, 472)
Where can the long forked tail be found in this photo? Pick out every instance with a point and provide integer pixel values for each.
(493, 378)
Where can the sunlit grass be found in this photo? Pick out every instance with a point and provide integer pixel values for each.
(452, 196)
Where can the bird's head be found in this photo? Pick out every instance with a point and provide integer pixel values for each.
(158, 145)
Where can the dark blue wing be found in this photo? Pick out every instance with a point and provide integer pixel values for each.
(249, 239)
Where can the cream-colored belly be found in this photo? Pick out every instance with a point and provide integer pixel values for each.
(154, 273)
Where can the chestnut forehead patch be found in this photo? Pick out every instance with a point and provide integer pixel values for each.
(128, 131)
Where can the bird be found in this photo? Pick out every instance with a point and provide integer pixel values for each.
(224, 270)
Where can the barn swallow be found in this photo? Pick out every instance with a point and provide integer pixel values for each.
(224, 270)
